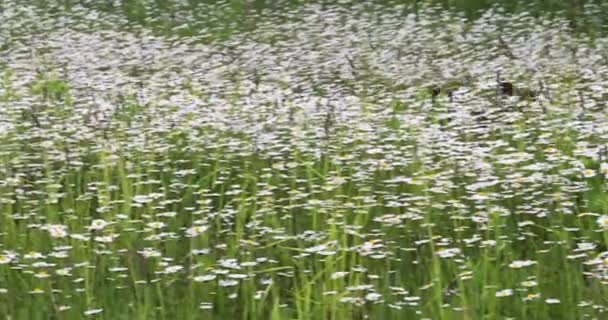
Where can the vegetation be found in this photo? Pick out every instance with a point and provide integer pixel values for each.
(195, 160)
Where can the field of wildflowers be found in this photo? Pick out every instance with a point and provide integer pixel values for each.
(323, 162)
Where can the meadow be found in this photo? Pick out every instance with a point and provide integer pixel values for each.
(347, 160)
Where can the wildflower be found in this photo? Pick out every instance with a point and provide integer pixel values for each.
(198, 252)
(205, 278)
(206, 305)
(172, 269)
(480, 196)
(576, 256)
(59, 254)
(142, 199)
(98, 224)
(602, 221)
(33, 255)
(590, 214)
(504, 293)
(584, 303)
(517, 264)
(588, 173)
(373, 296)
(37, 291)
(169, 214)
(104, 239)
(552, 301)
(228, 283)
(220, 271)
(361, 287)
(529, 283)
(42, 264)
(79, 236)
(156, 225)
(532, 296)
(338, 275)
(229, 263)
(249, 264)
(352, 300)
(323, 249)
(585, 246)
(195, 231)
(63, 271)
(57, 230)
(149, 253)
(91, 312)
(448, 253)
(5, 258)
